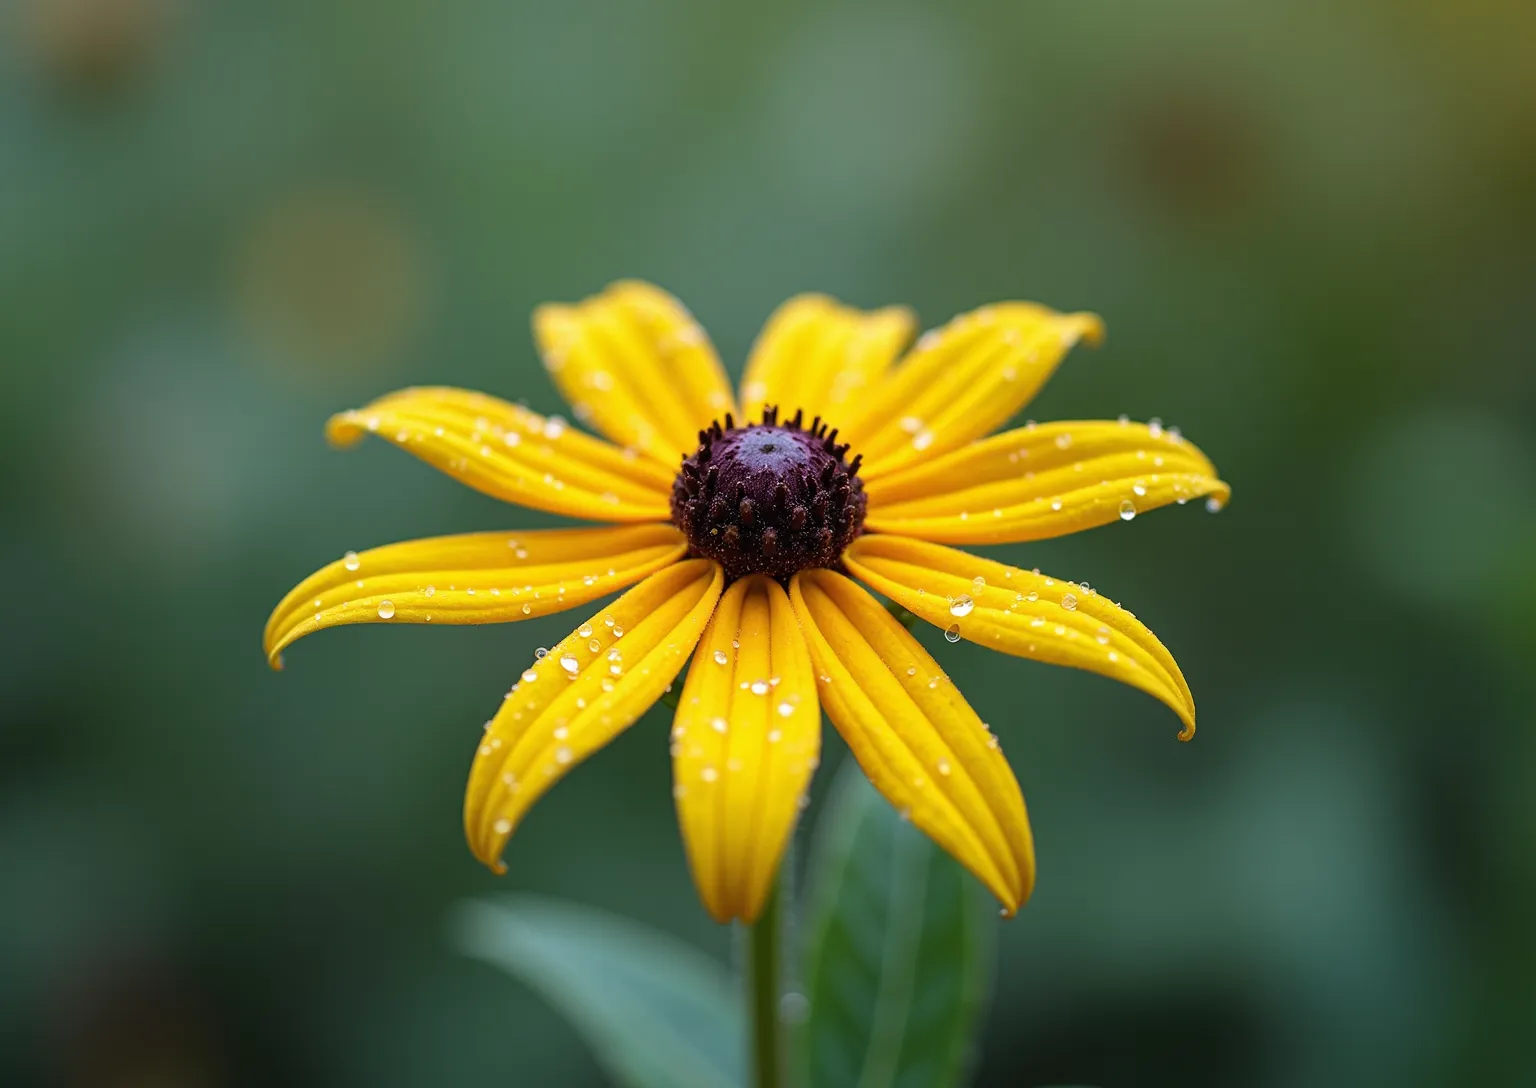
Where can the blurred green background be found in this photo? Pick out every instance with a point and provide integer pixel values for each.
(1309, 226)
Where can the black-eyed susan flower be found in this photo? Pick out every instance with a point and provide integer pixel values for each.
(740, 526)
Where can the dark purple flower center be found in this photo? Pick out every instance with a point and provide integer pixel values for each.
(771, 497)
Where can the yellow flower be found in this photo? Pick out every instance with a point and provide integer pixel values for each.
(739, 541)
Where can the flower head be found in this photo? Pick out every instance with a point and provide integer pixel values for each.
(741, 541)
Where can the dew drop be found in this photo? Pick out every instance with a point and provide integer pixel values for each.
(429, 591)
(1213, 504)
(594, 646)
(1063, 441)
(709, 774)
(1032, 596)
(719, 725)
(721, 658)
(943, 766)
(386, 610)
(351, 561)
(1069, 601)
(1127, 510)
(786, 709)
(502, 826)
(759, 687)
(529, 676)
(540, 654)
(527, 609)
(562, 755)
(979, 582)
(569, 663)
(952, 632)
(962, 606)
(585, 630)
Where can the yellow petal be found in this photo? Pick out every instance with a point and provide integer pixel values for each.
(1043, 481)
(1022, 613)
(513, 454)
(744, 743)
(577, 698)
(820, 357)
(634, 364)
(472, 578)
(914, 735)
(963, 381)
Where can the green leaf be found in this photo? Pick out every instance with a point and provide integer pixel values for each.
(898, 953)
(658, 1013)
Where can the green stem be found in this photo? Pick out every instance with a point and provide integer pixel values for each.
(764, 958)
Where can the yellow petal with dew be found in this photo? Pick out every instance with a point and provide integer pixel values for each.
(745, 740)
(963, 381)
(583, 693)
(634, 364)
(1023, 613)
(472, 578)
(513, 454)
(1044, 481)
(819, 357)
(914, 735)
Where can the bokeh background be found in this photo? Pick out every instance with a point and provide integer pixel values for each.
(1309, 225)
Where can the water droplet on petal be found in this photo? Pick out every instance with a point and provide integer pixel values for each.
(569, 663)
(386, 610)
(1127, 510)
(585, 630)
(961, 606)
(759, 687)
(1068, 601)
(952, 632)
(709, 774)
(529, 676)
(594, 646)
(786, 709)
(562, 755)
(502, 826)
(351, 561)
(1213, 504)
(721, 658)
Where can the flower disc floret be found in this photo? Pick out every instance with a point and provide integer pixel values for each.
(771, 497)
